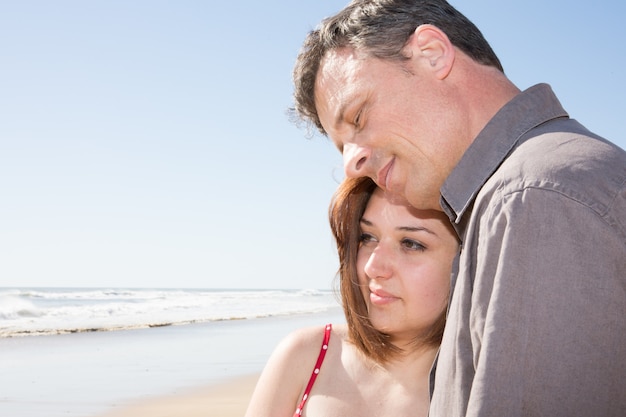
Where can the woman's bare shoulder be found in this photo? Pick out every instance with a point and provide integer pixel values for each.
(286, 373)
(305, 340)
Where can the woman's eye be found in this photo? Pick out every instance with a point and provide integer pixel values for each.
(366, 237)
(413, 245)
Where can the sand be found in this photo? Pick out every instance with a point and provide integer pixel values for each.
(229, 398)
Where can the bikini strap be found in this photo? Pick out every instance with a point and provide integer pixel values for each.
(316, 370)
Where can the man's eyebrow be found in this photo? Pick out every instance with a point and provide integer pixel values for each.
(349, 101)
(340, 115)
(337, 122)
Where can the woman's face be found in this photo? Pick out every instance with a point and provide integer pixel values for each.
(403, 265)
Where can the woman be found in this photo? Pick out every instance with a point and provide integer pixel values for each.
(395, 265)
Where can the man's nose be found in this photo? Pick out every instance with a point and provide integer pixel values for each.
(355, 160)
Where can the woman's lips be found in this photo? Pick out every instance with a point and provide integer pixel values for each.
(380, 297)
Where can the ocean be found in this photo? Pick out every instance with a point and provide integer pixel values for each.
(49, 311)
(79, 352)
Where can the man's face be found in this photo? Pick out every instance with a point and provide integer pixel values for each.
(382, 117)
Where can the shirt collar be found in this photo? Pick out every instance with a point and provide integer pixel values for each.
(529, 109)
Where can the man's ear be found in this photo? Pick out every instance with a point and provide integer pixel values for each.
(432, 46)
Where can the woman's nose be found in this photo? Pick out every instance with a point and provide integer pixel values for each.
(378, 265)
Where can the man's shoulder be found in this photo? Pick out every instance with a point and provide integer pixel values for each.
(565, 157)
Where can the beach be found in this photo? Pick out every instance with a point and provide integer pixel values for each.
(207, 369)
(228, 398)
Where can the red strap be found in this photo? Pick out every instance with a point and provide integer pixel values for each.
(316, 370)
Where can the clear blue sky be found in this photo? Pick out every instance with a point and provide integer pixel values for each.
(145, 143)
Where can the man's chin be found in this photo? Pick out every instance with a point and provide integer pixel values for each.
(397, 198)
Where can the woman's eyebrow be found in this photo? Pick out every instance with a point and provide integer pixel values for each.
(366, 222)
(415, 229)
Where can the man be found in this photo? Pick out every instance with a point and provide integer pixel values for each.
(414, 97)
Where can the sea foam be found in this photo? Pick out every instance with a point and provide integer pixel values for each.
(47, 311)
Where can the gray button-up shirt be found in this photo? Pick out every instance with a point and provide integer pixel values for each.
(537, 320)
